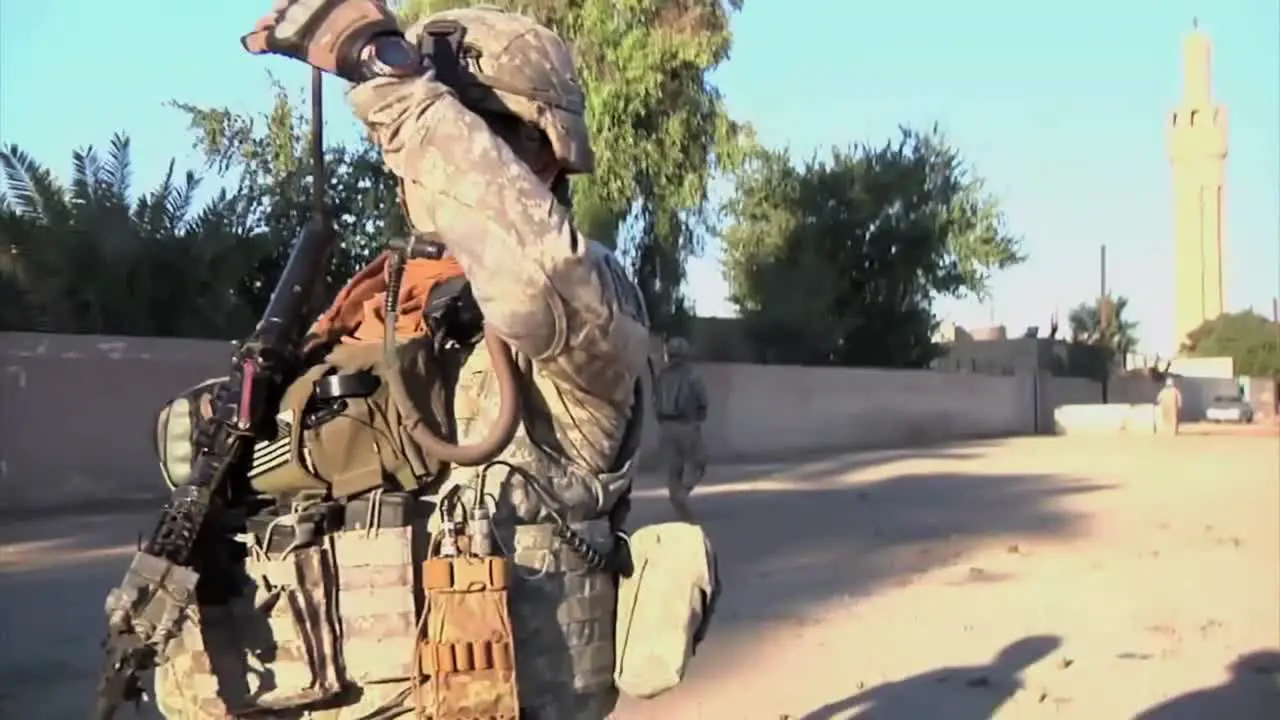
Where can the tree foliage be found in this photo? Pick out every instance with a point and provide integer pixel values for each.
(89, 257)
(1249, 339)
(1118, 334)
(268, 159)
(838, 261)
(659, 127)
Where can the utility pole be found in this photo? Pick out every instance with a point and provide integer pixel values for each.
(1104, 319)
(1104, 310)
(1275, 382)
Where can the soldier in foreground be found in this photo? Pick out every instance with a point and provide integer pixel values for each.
(512, 612)
(681, 400)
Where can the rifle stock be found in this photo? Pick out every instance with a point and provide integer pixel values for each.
(145, 612)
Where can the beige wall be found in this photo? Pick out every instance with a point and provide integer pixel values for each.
(770, 410)
(76, 412)
(1261, 394)
(1111, 419)
(1060, 391)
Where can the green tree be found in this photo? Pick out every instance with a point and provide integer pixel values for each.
(838, 261)
(659, 127)
(1118, 334)
(1249, 339)
(88, 257)
(268, 158)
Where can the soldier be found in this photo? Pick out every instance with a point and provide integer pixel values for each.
(480, 114)
(681, 408)
(1168, 406)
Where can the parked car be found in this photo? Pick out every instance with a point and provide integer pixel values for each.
(1228, 409)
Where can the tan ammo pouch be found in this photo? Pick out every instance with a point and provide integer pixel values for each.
(275, 645)
(376, 590)
(663, 607)
(468, 652)
(293, 648)
(354, 444)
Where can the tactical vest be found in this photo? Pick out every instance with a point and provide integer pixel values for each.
(339, 438)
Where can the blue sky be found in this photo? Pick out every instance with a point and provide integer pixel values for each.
(1062, 107)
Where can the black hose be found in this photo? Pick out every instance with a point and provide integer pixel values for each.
(504, 367)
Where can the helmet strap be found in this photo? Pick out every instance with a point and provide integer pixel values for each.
(446, 49)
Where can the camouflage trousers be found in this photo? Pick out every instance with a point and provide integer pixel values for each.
(681, 445)
(562, 621)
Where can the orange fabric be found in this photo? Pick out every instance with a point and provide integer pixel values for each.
(356, 314)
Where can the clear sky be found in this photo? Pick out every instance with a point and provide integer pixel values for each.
(1061, 106)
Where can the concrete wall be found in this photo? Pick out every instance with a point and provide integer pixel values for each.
(1223, 368)
(1261, 393)
(995, 357)
(770, 410)
(1133, 388)
(1059, 391)
(77, 412)
(1109, 419)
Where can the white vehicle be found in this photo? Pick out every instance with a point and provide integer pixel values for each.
(1228, 409)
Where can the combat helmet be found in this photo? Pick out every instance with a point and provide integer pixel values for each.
(509, 64)
(677, 348)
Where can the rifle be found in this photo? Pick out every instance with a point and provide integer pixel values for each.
(147, 609)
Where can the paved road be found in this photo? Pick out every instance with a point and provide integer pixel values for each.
(1031, 578)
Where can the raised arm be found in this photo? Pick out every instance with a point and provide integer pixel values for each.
(554, 296)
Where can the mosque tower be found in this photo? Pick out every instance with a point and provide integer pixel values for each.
(1197, 153)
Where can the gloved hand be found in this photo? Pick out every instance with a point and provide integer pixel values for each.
(325, 34)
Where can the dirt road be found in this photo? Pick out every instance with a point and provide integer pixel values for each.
(1085, 578)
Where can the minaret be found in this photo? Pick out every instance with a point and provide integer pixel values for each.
(1198, 153)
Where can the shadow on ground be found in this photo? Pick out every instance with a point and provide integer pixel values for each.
(1251, 693)
(781, 551)
(949, 693)
(978, 692)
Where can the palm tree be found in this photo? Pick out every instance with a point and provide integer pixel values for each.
(88, 257)
(1118, 333)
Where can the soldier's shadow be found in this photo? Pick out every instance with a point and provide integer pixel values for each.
(1252, 693)
(950, 693)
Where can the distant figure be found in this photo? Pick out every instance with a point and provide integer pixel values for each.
(1168, 405)
(680, 402)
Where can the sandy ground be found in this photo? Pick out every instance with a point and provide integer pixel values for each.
(1088, 578)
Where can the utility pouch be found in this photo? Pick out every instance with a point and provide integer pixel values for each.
(664, 607)
(468, 652)
(376, 587)
(294, 646)
(339, 431)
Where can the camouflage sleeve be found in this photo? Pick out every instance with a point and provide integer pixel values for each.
(555, 297)
(699, 391)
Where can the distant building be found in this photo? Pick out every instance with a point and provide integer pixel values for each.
(990, 351)
(1197, 154)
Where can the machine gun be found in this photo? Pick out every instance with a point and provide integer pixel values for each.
(147, 610)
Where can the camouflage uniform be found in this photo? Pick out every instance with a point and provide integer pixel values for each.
(578, 327)
(681, 407)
